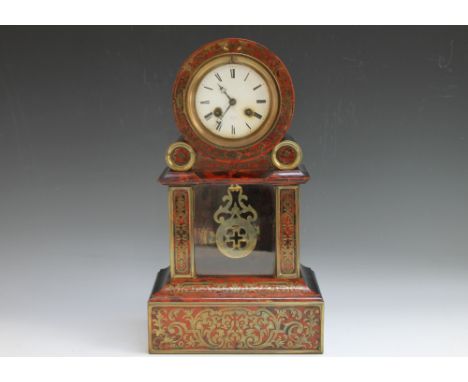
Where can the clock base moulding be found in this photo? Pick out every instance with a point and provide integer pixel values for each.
(236, 314)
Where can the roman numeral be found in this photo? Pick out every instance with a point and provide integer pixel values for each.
(247, 76)
(233, 130)
(208, 116)
(261, 101)
(218, 77)
(256, 87)
(248, 126)
(207, 87)
(218, 126)
(205, 102)
(259, 116)
(233, 73)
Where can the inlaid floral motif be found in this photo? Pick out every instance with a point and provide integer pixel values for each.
(236, 328)
(181, 231)
(287, 241)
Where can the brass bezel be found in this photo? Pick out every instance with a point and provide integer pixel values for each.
(174, 166)
(232, 143)
(284, 166)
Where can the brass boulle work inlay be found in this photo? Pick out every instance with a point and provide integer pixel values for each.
(181, 237)
(236, 328)
(230, 287)
(236, 235)
(287, 232)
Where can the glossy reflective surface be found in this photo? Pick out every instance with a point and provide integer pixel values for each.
(208, 258)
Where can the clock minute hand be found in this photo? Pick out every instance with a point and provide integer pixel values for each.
(225, 111)
(220, 118)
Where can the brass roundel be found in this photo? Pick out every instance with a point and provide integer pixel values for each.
(180, 156)
(286, 155)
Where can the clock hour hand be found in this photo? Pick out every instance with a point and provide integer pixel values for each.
(232, 101)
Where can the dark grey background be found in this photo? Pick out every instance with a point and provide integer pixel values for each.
(85, 119)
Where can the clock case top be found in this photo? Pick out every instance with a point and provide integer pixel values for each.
(255, 156)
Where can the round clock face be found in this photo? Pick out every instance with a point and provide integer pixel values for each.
(232, 101)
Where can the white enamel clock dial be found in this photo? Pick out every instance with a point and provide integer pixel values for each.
(232, 101)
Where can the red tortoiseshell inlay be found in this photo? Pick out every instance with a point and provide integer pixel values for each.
(272, 177)
(259, 328)
(235, 288)
(287, 233)
(180, 156)
(286, 154)
(181, 232)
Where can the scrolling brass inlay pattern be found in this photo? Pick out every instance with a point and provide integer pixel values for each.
(287, 232)
(236, 235)
(229, 287)
(181, 223)
(236, 328)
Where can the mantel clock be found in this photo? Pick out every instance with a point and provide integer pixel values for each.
(235, 283)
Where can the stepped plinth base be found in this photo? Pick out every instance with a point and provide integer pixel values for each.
(236, 314)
